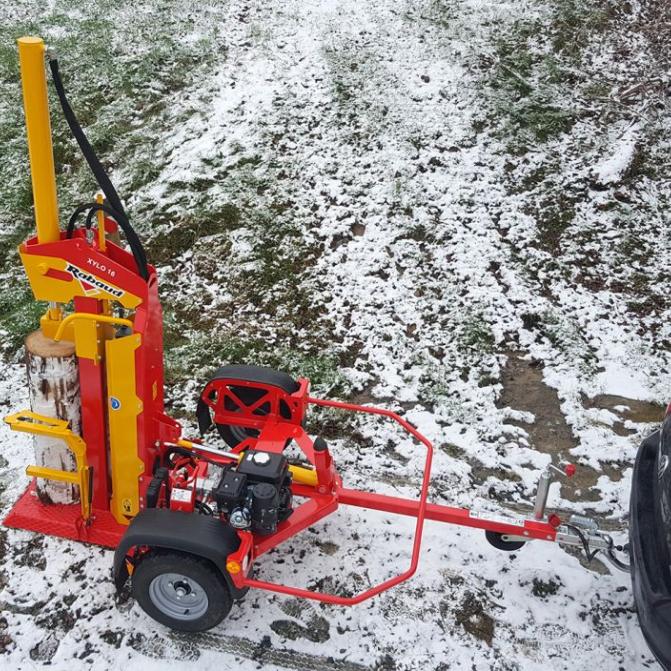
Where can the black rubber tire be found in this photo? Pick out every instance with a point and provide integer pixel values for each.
(233, 434)
(200, 570)
(496, 539)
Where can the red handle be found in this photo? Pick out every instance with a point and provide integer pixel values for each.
(419, 527)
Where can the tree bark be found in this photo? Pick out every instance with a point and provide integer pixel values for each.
(53, 383)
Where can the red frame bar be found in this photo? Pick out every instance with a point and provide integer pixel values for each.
(323, 503)
(316, 508)
(534, 529)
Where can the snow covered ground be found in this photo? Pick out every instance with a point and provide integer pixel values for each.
(453, 208)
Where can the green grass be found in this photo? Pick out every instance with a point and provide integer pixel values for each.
(554, 215)
(118, 87)
(19, 314)
(191, 226)
(115, 87)
(573, 24)
(566, 336)
(534, 72)
(200, 354)
(475, 335)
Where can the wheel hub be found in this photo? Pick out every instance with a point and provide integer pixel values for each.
(178, 596)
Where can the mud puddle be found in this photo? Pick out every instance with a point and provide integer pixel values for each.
(525, 390)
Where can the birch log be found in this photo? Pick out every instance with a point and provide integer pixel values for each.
(53, 383)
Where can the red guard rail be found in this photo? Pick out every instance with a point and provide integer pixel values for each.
(419, 527)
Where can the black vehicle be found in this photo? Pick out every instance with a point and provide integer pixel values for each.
(650, 540)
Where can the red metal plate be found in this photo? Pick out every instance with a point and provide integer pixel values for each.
(63, 521)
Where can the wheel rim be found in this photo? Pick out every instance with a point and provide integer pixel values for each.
(178, 596)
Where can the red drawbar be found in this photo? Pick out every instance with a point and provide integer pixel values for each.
(64, 521)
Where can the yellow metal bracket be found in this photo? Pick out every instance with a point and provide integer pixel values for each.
(30, 422)
(50, 322)
(124, 408)
(105, 319)
(87, 340)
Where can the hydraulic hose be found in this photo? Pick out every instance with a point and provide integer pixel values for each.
(115, 207)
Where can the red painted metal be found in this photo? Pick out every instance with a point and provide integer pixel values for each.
(273, 406)
(64, 521)
(118, 266)
(460, 516)
(276, 414)
(319, 508)
(252, 547)
(94, 414)
(183, 483)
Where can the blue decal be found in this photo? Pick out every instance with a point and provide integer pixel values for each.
(115, 403)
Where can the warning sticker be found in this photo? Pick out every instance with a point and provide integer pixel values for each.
(498, 519)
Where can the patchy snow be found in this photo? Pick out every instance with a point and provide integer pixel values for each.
(621, 380)
(364, 193)
(613, 169)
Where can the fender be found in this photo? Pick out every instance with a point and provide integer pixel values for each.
(200, 535)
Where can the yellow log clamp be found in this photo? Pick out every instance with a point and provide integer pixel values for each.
(104, 319)
(30, 422)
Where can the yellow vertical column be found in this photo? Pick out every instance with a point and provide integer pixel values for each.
(38, 129)
(40, 152)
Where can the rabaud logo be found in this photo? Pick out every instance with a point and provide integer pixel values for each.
(90, 284)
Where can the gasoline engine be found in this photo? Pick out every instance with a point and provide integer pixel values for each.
(254, 494)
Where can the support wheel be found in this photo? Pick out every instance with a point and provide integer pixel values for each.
(181, 591)
(234, 434)
(496, 539)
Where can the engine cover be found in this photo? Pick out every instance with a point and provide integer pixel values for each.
(256, 493)
(261, 466)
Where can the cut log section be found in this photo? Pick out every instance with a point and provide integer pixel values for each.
(53, 383)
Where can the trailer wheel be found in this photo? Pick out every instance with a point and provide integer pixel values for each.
(496, 539)
(234, 434)
(181, 591)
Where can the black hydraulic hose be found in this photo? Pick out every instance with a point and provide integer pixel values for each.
(116, 210)
(74, 216)
(92, 212)
(203, 508)
(79, 210)
(129, 231)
